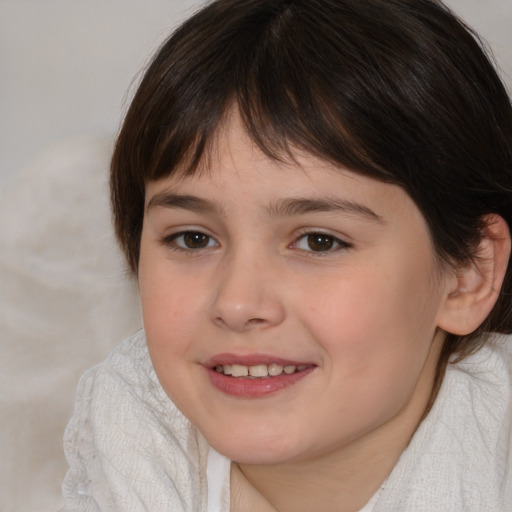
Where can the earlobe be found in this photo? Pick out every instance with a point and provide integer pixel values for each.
(474, 289)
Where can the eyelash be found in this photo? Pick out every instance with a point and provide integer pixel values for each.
(334, 244)
(171, 241)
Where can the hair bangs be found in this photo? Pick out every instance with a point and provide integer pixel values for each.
(259, 71)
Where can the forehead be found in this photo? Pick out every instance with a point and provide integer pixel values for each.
(236, 170)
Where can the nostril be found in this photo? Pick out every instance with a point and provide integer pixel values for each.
(255, 321)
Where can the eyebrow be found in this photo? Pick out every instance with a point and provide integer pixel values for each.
(281, 208)
(301, 206)
(185, 202)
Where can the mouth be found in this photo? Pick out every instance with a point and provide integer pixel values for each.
(258, 371)
(255, 378)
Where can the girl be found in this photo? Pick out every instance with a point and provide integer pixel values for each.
(315, 196)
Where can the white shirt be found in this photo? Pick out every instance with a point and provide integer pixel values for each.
(131, 450)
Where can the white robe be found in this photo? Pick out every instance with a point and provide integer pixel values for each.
(131, 450)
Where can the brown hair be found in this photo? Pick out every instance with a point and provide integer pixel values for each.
(400, 90)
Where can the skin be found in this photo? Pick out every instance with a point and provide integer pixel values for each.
(365, 313)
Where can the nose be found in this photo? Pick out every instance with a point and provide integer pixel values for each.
(246, 296)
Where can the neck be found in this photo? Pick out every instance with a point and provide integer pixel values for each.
(337, 482)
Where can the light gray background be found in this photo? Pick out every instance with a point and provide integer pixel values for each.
(65, 299)
(65, 65)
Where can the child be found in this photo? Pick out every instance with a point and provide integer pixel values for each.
(316, 198)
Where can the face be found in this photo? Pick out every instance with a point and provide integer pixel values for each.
(291, 310)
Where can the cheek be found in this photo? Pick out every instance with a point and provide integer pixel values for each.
(374, 360)
(376, 324)
(170, 306)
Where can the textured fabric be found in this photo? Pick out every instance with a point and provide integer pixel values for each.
(460, 458)
(131, 450)
(218, 478)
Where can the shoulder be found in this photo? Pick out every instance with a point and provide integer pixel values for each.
(125, 384)
(127, 369)
(129, 448)
(494, 356)
(460, 455)
(481, 385)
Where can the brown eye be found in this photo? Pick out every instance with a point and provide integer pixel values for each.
(191, 240)
(320, 242)
(195, 240)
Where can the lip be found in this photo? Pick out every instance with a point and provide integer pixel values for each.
(252, 360)
(244, 387)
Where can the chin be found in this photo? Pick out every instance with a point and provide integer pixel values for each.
(255, 448)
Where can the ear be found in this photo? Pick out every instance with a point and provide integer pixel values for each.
(474, 289)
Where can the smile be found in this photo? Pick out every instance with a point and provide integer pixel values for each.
(255, 379)
(258, 371)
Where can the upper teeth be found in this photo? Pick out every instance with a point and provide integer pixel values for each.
(258, 370)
